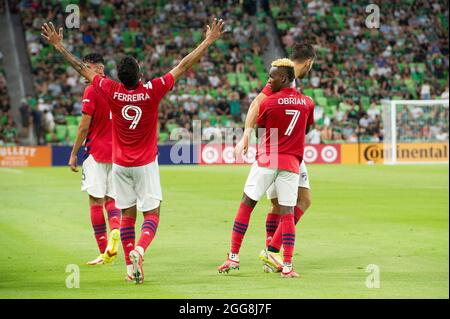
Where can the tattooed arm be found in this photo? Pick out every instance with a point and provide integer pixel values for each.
(55, 39)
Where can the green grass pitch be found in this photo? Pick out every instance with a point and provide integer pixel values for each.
(395, 217)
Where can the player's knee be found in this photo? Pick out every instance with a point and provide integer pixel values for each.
(275, 207)
(248, 201)
(284, 210)
(95, 201)
(154, 211)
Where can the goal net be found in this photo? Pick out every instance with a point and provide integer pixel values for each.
(415, 131)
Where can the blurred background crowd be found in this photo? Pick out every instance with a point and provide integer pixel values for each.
(356, 67)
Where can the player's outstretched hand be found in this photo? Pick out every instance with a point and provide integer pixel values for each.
(50, 34)
(214, 31)
(73, 163)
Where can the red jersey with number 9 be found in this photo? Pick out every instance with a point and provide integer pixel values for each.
(285, 116)
(134, 118)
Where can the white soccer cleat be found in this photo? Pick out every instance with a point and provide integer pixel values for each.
(231, 263)
(100, 260)
(138, 269)
(288, 272)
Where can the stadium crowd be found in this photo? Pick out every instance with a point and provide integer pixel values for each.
(405, 58)
(217, 91)
(356, 67)
(8, 128)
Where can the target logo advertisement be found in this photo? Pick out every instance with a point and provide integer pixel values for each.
(223, 154)
(322, 154)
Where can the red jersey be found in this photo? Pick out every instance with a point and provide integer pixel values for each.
(134, 118)
(267, 91)
(99, 139)
(289, 112)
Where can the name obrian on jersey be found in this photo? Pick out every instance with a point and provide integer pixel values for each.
(134, 118)
(285, 116)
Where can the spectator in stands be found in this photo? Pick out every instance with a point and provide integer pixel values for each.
(25, 115)
(444, 94)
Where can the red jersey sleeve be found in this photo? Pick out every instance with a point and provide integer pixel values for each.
(104, 86)
(261, 120)
(266, 90)
(88, 101)
(160, 86)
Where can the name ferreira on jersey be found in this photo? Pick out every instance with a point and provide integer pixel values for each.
(291, 100)
(123, 97)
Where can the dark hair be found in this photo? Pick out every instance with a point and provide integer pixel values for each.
(128, 71)
(94, 58)
(302, 52)
(288, 71)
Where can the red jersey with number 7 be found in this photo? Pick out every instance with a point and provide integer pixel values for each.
(285, 116)
(134, 118)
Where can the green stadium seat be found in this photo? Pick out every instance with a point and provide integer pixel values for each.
(163, 137)
(245, 85)
(128, 39)
(197, 36)
(365, 102)
(61, 132)
(232, 79)
(420, 67)
(322, 101)
(318, 93)
(254, 85)
(242, 77)
(333, 101)
(71, 120)
(262, 77)
(48, 137)
(171, 126)
(308, 92)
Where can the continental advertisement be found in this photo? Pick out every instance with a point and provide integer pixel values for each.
(374, 153)
(20, 156)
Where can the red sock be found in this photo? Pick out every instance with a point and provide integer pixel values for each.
(114, 214)
(275, 243)
(272, 222)
(99, 225)
(148, 230)
(288, 229)
(127, 236)
(240, 227)
(298, 213)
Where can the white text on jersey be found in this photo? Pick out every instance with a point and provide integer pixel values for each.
(123, 97)
(291, 100)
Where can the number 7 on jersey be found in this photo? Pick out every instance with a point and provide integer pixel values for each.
(296, 115)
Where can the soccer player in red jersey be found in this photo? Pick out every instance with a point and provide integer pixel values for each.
(285, 116)
(134, 107)
(303, 56)
(95, 129)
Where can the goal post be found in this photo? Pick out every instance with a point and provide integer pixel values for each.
(415, 131)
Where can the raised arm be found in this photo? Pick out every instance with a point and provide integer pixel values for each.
(250, 121)
(55, 38)
(213, 33)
